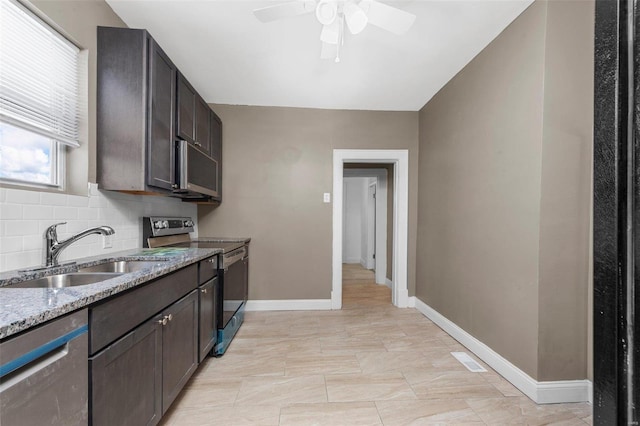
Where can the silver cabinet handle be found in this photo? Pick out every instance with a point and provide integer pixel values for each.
(211, 261)
(197, 144)
(163, 321)
(204, 290)
(169, 317)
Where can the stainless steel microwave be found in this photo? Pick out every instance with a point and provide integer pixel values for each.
(197, 173)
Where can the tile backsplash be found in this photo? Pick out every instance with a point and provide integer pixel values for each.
(25, 215)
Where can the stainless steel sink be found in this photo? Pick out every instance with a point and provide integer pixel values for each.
(65, 280)
(121, 266)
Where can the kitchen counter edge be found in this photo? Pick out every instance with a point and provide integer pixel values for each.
(24, 308)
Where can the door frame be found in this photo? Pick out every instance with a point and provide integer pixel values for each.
(370, 209)
(616, 216)
(400, 160)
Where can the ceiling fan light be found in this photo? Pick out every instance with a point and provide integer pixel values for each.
(327, 11)
(355, 17)
(330, 33)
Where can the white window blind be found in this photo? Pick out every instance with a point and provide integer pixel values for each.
(39, 76)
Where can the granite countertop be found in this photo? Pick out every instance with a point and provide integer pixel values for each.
(23, 308)
(224, 244)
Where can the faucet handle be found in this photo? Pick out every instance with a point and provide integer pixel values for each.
(51, 231)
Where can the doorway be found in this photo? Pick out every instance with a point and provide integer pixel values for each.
(368, 218)
(399, 160)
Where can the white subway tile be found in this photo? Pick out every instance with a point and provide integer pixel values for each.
(65, 213)
(85, 213)
(10, 211)
(33, 242)
(19, 196)
(11, 244)
(20, 227)
(23, 259)
(75, 226)
(53, 199)
(77, 201)
(121, 211)
(37, 212)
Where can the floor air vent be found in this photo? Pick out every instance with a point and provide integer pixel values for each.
(468, 362)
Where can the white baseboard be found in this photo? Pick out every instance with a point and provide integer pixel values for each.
(388, 283)
(540, 392)
(289, 305)
(411, 303)
(352, 260)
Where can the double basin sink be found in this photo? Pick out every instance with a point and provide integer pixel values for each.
(87, 275)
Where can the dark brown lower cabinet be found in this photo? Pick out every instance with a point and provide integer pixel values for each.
(135, 379)
(126, 378)
(179, 346)
(208, 328)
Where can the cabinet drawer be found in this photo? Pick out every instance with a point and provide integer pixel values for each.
(208, 269)
(115, 317)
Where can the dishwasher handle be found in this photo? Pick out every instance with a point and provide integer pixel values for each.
(229, 259)
(46, 353)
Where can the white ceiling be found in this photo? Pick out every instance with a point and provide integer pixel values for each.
(232, 58)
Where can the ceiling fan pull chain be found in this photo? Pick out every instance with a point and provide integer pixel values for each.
(340, 38)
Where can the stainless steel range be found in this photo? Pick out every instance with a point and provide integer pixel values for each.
(233, 269)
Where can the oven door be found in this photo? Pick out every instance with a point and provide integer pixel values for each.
(197, 172)
(234, 284)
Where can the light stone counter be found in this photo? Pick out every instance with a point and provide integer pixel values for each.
(23, 308)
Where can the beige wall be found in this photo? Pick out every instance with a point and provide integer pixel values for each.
(79, 20)
(503, 170)
(567, 145)
(277, 162)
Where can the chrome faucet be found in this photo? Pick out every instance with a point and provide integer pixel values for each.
(54, 247)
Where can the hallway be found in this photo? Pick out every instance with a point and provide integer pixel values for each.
(360, 290)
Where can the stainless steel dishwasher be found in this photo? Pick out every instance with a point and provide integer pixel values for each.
(44, 374)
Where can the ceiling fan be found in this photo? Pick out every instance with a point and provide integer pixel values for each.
(333, 14)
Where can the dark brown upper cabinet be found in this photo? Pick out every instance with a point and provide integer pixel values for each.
(203, 125)
(185, 128)
(193, 116)
(216, 148)
(136, 101)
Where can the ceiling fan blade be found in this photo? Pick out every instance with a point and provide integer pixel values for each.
(285, 10)
(386, 17)
(329, 51)
(330, 33)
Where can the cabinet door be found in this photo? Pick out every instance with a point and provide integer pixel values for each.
(208, 327)
(162, 101)
(216, 148)
(126, 379)
(202, 139)
(179, 346)
(186, 110)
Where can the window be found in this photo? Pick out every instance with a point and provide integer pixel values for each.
(39, 98)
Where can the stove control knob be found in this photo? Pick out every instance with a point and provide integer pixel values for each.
(165, 224)
(158, 224)
(188, 223)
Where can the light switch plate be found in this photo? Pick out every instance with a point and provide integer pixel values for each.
(327, 197)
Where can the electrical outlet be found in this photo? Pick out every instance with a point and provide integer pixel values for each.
(107, 242)
(327, 197)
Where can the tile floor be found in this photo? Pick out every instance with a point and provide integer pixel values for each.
(368, 364)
